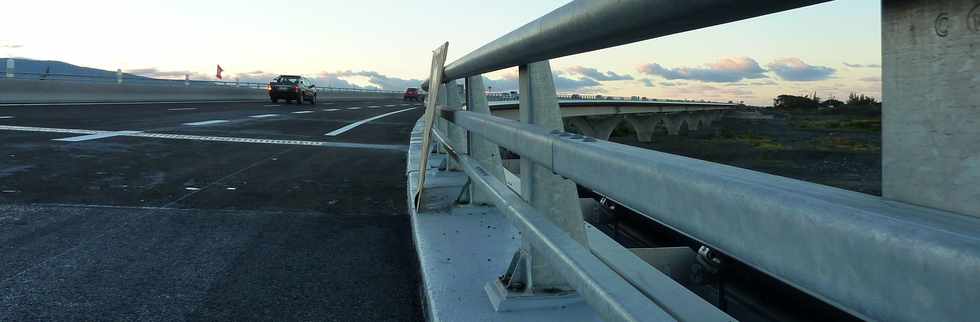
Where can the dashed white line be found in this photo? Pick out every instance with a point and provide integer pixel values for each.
(182, 109)
(390, 105)
(302, 112)
(262, 116)
(361, 122)
(120, 103)
(331, 110)
(96, 136)
(353, 108)
(206, 122)
(373, 106)
(6, 117)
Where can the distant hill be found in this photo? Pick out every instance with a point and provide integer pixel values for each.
(24, 65)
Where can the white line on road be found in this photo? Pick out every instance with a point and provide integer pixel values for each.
(390, 105)
(263, 116)
(96, 136)
(118, 103)
(374, 106)
(302, 112)
(353, 108)
(361, 122)
(207, 122)
(208, 138)
(6, 117)
(331, 110)
(182, 109)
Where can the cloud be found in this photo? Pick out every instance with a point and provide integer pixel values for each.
(647, 82)
(596, 75)
(795, 70)
(671, 84)
(872, 79)
(14, 46)
(862, 65)
(509, 82)
(727, 70)
(703, 91)
(383, 81)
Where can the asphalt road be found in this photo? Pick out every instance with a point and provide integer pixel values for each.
(206, 211)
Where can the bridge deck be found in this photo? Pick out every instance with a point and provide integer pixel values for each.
(210, 213)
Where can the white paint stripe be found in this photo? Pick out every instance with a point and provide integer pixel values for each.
(6, 117)
(302, 112)
(96, 136)
(331, 110)
(271, 105)
(119, 103)
(183, 109)
(373, 106)
(207, 122)
(353, 108)
(263, 116)
(361, 122)
(390, 105)
(207, 138)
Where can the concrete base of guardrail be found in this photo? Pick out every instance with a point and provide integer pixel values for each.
(58, 91)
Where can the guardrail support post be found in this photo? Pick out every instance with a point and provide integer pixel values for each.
(481, 149)
(119, 75)
(930, 131)
(555, 196)
(441, 124)
(10, 68)
(455, 134)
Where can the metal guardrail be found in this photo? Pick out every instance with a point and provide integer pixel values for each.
(877, 259)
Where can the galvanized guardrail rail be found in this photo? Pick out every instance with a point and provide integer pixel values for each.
(878, 259)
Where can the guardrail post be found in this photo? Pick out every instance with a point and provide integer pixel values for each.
(119, 77)
(556, 197)
(10, 68)
(487, 153)
(455, 134)
(930, 153)
(441, 124)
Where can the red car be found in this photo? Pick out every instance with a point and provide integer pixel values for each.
(412, 94)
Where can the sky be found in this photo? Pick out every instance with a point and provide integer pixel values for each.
(832, 49)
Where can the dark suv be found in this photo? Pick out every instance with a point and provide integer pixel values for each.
(292, 88)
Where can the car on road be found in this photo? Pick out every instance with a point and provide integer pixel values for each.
(292, 88)
(412, 94)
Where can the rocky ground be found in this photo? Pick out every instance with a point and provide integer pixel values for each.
(840, 148)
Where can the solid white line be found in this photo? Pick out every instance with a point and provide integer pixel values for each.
(6, 117)
(331, 110)
(302, 112)
(271, 105)
(264, 116)
(353, 108)
(182, 109)
(361, 122)
(96, 136)
(118, 103)
(373, 106)
(390, 105)
(207, 122)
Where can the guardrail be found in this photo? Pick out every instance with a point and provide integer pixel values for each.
(497, 97)
(877, 259)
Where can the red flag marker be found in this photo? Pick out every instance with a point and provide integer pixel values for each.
(219, 71)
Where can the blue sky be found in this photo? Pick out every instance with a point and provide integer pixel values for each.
(388, 43)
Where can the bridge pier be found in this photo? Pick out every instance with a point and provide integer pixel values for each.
(644, 126)
(931, 117)
(597, 127)
(675, 123)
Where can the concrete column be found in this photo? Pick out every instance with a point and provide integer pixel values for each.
(931, 121)
(487, 153)
(582, 124)
(11, 68)
(555, 197)
(455, 134)
(644, 126)
(674, 122)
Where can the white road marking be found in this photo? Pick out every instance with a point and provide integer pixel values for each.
(96, 136)
(207, 122)
(374, 106)
(393, 147)
(271, 105)
(361, 122)
(263, 116)
(353, 108)
(302, 112)
(182, 109)
(6, 117)
(331, 110)
(390, 105)
(118, 103)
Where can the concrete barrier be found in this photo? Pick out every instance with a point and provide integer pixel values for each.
(57, 91)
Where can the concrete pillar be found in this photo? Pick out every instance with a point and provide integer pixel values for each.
(582, 124)
(644, 126)
(674, 122)
(487, 153)
(555, 197)
(931, 121)
(11, 68)
(455, 134)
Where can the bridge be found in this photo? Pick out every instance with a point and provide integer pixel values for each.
(126, 199)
